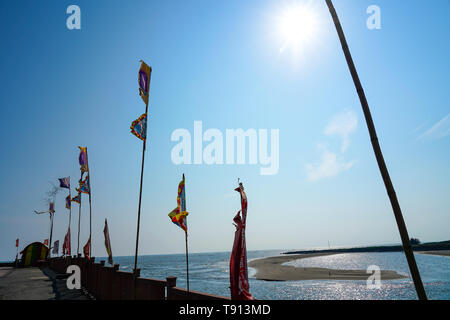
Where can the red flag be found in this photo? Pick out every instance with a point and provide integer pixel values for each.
(46, 242)
(66, 244)
(86, 249)
(239, 286)
(17, 242)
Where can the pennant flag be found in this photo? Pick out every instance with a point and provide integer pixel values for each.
(77, 198)
(139, 127)
(66, 244)
(51, 208)
(84, 185)
(82, 159)
(17, 242)
(144, 81)
(55, 247)
(179, 213)
(239, 286)
(68, 202)
(87, 248)
(64, 182)
(108, 243)
(46, 242)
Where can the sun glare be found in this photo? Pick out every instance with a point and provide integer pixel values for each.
(297, 26)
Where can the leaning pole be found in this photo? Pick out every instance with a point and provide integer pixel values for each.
(380, 160)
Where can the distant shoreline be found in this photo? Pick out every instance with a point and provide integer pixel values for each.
(272, 269)
(420, 248)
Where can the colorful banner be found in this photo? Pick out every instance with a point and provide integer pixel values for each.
(66, 244)
(55, 247)
(144, 81)
(179, 214)
(77, 198)
(64, 182)
(46, 242)
(239, 286)
(82, 159)
(139, 127)
(68, 202)
(84, 185)
(87, 249)
(108, 243)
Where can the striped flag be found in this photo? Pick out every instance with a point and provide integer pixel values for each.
(55, 247)
(239, 286)
(179, 214)
(64, 182)
(108, 243)
(87, 248)
(66, 244)
(144, 81)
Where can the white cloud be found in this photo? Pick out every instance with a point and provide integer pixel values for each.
(440, 130)
(343, 125)
(330, 166)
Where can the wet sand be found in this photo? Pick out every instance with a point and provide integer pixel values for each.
(444, 253)
(271, 269)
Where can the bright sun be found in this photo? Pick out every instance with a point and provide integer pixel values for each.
(297, 25)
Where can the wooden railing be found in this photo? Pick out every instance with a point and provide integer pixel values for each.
(108, 283)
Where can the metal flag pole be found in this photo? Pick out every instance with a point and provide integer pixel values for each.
(70, 217)
(90, 205)
(142, 177)
(380, 160)
(79, 220)
(140, 187)
(186, 239)
(51, 233)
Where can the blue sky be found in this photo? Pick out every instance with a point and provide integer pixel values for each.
(220, 62)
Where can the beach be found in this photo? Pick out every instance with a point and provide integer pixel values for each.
(443, 253)
(271, 269)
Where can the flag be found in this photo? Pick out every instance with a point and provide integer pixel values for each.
(77, 198)
(178, 214)
(55, 247)
(84, 185)
(239, 286)
(82, 159)
(64, 182)
(46, 242)
(108, 243)
(17, 242)
(144, 81)
(66, 244)
(68, 202)
(87, 249)
(139, 127)
(51, 208)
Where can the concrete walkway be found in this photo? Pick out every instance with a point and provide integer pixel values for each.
(35, 284)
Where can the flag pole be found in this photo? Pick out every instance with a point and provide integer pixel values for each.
(70, 218)
(186, 239)
(380, 160)
(49, 254)
(79, 213)
(140, 187)
(79, 220)
(90, 206)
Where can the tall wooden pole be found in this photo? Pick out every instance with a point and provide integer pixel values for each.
(140, 188)
(380, 160)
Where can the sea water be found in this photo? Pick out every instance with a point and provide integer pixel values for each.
(209, 272)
